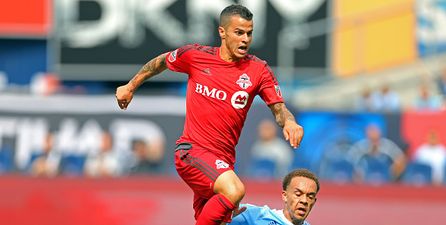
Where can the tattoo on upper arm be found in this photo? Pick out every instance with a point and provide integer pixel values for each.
(281, 113)
(150, 69)
(155, 66)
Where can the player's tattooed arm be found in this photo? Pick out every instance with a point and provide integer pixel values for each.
(124, 93)
(281, 113)
(292, 131)
(150, 69)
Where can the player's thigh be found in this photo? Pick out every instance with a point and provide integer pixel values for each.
(198, 168)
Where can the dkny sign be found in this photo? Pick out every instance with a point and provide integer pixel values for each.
(97, 35)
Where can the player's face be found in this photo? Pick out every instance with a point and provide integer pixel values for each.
(299, 199)
(236, 37)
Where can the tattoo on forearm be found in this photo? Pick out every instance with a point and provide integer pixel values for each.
(150, 69)
(282, 114)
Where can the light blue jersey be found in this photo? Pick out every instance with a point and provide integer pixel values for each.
(261, 216)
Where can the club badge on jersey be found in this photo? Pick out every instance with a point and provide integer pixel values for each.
(243, 81)
(221, 164)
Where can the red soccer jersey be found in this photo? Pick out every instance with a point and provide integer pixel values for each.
(219, 95)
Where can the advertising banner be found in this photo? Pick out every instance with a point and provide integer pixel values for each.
(372, 35)
(23, 18)
(78, 122)
(110, 40)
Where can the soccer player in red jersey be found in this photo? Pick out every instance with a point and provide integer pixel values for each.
(222, 84)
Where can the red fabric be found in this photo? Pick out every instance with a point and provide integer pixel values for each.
(219, 95)
(218, 209)
(199, 169)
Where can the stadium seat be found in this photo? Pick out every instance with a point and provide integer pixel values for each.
(302, 161)
(417, 174)
(263, 169)
(340, 171)
(6, 160)
(376, 171)
(72, 165)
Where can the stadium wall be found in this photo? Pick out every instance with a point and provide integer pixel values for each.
(168, 201)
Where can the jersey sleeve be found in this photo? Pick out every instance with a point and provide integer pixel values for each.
(239, 220)
(243, 218)
(269, 87)
(179, 59)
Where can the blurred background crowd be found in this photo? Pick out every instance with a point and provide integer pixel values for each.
(366, 79)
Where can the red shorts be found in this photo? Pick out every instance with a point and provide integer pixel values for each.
(199, 168)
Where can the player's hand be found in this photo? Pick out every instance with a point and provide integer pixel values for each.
(124, 96)
(293, 133)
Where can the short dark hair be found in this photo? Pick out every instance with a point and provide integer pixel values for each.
(233, 10)
(299, 173)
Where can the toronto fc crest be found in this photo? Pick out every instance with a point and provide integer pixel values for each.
(243, 81)
(221, 164)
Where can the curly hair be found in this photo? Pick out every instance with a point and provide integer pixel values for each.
(300, 173)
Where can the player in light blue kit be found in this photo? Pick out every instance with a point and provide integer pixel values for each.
(299, 190)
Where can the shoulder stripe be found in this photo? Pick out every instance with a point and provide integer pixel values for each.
(207, 49)
(255, 59)
(184, 49)
(201, 48)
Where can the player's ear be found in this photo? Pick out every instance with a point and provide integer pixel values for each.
(222, 32)
(284, 196)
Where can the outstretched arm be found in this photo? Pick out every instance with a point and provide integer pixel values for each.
(292, 131)
(124, 93)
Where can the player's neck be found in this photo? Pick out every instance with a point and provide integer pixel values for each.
(226, 56)
(289, 218)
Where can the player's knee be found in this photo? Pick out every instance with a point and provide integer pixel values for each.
(238, 192)
(229, 185)
(234, 192)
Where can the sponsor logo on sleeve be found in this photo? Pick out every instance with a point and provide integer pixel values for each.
(278, 91)
(173, 56)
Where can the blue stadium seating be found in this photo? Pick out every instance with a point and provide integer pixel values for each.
(338, 170)
(263, 169)
(72, 165)
(376, 171)
(417, 174)
(6, 159)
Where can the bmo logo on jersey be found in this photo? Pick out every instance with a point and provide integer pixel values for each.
(214, 93)
(239, 99)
